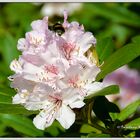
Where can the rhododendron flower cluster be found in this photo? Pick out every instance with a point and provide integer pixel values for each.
(53, 73)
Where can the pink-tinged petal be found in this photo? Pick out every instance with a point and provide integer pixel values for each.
(16, 66)
(73, 32)
(71, 36)
(75, 25)
(65, 116)
(65, 23)
(52, 50)
(33, 59)
(40, 25)
(36, 38)
(22, 44)
(74, 70)
(43, 89)
(20, 83)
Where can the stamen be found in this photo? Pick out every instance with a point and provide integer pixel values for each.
(68, 48)
(51, 68)
(73, 81)
(65, 19)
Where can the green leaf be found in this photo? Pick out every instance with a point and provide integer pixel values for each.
(21, 124)
(88, 129)
(133, 125)
(5, 98)
(7, 91)
(102, 107)
(136, 39)
(98, 135)
(113, 116)
(121, 57)
(104, 48)
(55, 129)
(2, 129)
(129, 110)
(113, 89)
(14, 109)
(119, 14)
(9, 50)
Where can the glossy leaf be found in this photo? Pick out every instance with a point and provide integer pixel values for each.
(5, 98)
(7, 91)
(121, 57)
(96, 135)
(128, 110)
(88, 129)
(9, 45)
(102, 107)
(14, 109)
(117, 13)
(21, 124)
(113, 89)
(2, 129)
(134, 124)
(104, 48)
(55, 129)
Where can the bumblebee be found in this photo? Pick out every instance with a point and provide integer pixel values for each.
(57, 28)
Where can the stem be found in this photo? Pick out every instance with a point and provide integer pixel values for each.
(99, 128)
(95, 125)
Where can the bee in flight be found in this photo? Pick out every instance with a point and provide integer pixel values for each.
(57, 28)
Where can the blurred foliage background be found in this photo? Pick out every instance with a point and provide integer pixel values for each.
(119, 21)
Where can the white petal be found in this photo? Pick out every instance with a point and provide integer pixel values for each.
(77, 104)
(72, 98)
(40, 121)
(18, 100)
(85, 41)
(34, 105)
(30, 68)
(90, 73)
(66, 116)
(43, 89)
(94, 87)
(21, 83)
(69, 95)
(61, 85)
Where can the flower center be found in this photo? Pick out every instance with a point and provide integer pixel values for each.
(76, 82)
(36, 40)
(53, 108)
(73, 81)
(68, 48)
(51, 68)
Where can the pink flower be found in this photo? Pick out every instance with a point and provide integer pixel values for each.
(128, 81)
(53, 73)
(75, 40)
